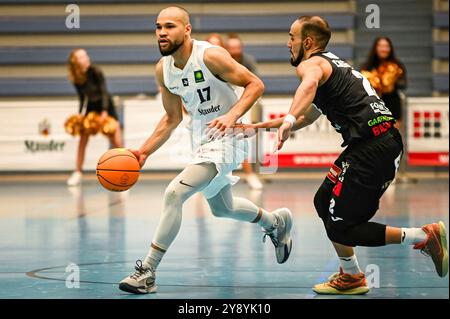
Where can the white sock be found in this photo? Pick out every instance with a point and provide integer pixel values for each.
(154, 257)
(267, 220)
(350, 265)
(224, 204)
(413, 236)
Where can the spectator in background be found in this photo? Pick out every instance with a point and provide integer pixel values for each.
(386, 74)
(90, 84)
(234, 47)
(216, 39)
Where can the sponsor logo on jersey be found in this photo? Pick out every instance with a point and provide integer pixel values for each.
(381, 128)
(185, 82)
(198, 76)
(212, 109)
(379, 119)
(380, 107)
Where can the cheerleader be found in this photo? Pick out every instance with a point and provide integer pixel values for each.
(96, 111)
(386, 74)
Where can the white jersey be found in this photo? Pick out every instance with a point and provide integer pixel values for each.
(204, 96)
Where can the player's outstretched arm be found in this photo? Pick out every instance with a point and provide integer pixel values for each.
(174, 115)
(311, 74)
(222, 65)
(311, 114)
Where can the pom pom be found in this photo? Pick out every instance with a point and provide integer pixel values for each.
(74, 125)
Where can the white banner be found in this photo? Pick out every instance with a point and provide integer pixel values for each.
(316, 145)
(319, 144)
(428, 129)
(32, 137)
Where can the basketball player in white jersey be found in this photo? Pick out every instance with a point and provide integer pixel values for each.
(200, 76)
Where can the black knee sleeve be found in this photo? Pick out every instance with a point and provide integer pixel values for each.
(366, 234)
(322, 202)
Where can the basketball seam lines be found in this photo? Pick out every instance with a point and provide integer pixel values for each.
(99, 163)
(116, 184)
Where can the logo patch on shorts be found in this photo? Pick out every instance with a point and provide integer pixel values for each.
(337, 189)
(334, 173)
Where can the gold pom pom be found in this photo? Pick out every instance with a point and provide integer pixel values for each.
(109, 126)
(74, 125)
(374, 79)
(91, 123)
(390, 73)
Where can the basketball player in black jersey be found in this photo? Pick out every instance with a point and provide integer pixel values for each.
(349, 196)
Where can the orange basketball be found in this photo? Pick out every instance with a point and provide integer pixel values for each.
(118, 170)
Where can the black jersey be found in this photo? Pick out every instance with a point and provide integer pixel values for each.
(350, 103)
(93, 92)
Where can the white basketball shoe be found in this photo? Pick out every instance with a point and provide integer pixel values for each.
(75, 179)
(142, 281)
(280, 234)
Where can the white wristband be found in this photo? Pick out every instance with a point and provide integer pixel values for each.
(289, 118)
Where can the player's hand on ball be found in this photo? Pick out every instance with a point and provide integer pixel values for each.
(283, 134)
(141, 157)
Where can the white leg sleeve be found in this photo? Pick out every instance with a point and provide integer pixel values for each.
(225, 205)
(190, 181)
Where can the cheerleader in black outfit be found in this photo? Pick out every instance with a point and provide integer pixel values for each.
(90, 84)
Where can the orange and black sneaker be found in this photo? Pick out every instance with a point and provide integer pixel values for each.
(435, 246)
(343, 284)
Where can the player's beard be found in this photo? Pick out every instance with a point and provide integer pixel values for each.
(301, 53)
(171, 48)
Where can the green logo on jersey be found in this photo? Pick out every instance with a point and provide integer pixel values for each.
(198, 75)
(379, 119)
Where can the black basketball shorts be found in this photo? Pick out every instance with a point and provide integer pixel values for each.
(351, 191)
